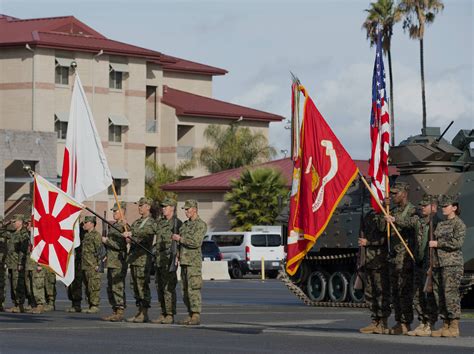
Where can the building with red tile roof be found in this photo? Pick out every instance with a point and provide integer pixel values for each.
(147, 105)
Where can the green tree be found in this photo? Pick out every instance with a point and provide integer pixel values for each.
(417, 14)
(160, 174)
(233, 147)
(383, 15)
(254, 198)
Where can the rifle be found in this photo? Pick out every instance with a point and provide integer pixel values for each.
(102, 251)
(173, 267)
(359, 284)
(428, 288)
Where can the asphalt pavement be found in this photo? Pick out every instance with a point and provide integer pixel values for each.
(239, 316)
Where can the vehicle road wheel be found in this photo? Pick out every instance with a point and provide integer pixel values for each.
(338, 287)
(236, 272)
(357, 295)
(301, 274)
(317, 286)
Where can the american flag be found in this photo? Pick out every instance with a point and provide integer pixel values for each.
(379, 129)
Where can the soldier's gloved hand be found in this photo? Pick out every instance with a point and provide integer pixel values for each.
(20, 267)
(389, 218)
(362, 241)
(176, 237)
(127, 234)
(38, 268)
(96, 268)
(433, 244)
(104, 239)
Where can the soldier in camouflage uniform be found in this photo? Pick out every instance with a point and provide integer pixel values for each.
(49, 290)
(34, 281)
(17, 248)
(424, 302)
(74, 290)
(191, 235)
(165, 280)
(377, 286)
(401, 264)
(143, 231)
(116, 264)
(91, 254)
(3, 255)
(448, 267)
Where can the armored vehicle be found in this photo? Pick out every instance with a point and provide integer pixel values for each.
(431, 165)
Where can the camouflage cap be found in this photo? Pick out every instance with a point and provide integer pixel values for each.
(446, 200)
(428, 199)
(399, 186)
(190, 203)
(145, 200)
(168, 201)
(18, 217)
(90, 218)
(123, 205)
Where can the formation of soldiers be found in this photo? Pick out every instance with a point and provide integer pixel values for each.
(147, 242)
(394, 278)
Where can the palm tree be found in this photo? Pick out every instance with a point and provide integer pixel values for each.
(383, 15)
(254, 198)
(233, 147)
(417, 14)
(159, 174)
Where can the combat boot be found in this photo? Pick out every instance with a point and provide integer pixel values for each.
(118, 316)
(169, 319)
(425, 331)
(13, 309)
(453, 330)
(195, 319)
(38, 309)
(415, 331)
(92, 309)
(439, 332)
(108, 318)
(400, 328)
(142, 317)
(382, 327)
(185, 321)
(159, 320)
(73, 309)
(132, 319)
(370, 328)
(50, 306)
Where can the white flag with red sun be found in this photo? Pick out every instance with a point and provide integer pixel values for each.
(53, 219)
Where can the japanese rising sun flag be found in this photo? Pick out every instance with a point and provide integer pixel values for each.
(322, 173)
(54, 217)
(85, 169)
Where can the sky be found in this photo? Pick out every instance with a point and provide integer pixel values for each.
(259, 42)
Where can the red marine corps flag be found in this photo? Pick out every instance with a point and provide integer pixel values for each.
(323, 170)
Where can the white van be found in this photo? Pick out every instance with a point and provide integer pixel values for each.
(244, 250)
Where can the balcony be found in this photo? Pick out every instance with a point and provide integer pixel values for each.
(184, 152)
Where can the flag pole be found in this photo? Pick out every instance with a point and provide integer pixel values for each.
(387, 205)
(122, 217)
(386, 214)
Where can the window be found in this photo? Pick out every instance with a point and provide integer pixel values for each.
(60, 127)
(273, 240)
(118, 187)
(228, 240)
(61, 75)
(115, 132)
(259, 240)
(115, 79)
